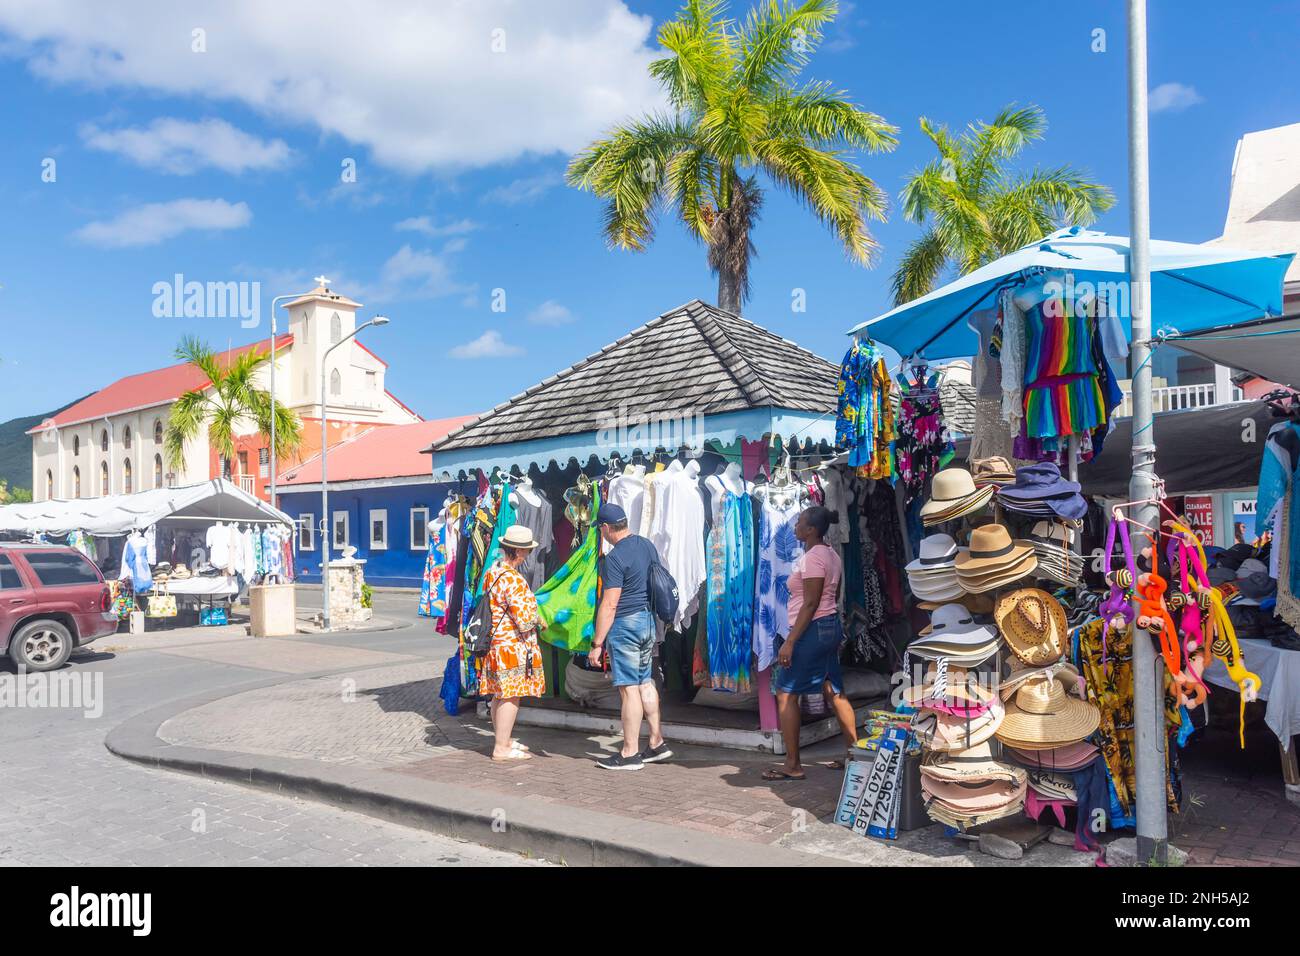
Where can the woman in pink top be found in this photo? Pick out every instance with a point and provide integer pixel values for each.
(809, 659)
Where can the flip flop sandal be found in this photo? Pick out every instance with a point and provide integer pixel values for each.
(516, 745)
(776, 775)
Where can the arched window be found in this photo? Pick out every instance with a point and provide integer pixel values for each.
(76, 481)
(306, 329)
(103, 441)
(336, 328)
(103, 478)
(76, 445)
(49, 483)
(157, 431)
(126, 476)
(126, 437)
(157, 471)
(336, 383)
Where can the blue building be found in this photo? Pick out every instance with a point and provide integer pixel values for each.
(381, 500)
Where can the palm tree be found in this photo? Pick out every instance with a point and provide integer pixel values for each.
(738, 108)
(230, 397)
(975, 209)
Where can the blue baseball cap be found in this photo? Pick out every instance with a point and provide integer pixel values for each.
(610, 513)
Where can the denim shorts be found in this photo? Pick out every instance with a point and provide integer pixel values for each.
(816, 660)
(631, 644)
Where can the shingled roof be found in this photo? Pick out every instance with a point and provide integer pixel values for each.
(695, 359)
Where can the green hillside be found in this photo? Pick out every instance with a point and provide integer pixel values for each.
(16, 448)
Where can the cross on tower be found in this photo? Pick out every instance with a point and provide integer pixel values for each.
(321, 280)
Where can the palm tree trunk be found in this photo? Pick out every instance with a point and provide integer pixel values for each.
(728, 290)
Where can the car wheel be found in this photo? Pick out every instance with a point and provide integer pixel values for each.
(41, 646)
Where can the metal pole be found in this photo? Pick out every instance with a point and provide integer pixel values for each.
(1148, 676)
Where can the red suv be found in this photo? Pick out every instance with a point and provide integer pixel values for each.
(52, 599)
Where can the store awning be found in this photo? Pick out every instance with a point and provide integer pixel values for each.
(1270, 348)
(216, 500)
(1193, 287)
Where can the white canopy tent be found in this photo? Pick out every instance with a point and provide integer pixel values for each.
(113, 515)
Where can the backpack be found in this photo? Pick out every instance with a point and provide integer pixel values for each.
(662, 591)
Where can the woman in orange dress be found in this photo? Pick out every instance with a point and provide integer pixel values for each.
(513, 665)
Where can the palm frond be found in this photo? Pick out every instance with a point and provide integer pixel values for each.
(990, 144)
(827, 120)
(184, 423)
(778, 39)
(918, 271)
(692, 178)
(702, 53)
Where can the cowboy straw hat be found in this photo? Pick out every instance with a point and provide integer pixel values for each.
(1033, 624)
(977, 763)
(1070, 757)
(520, 537)
(937, 553)
(939, 731)
(1042, 716)
(952, 494)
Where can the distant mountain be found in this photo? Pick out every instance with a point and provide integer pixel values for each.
(16, 448)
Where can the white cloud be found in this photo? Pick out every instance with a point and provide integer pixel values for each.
(1172, 97)
(423, 85)
(416, 274)
(526, 190)
(488, 345)
(183, 147)
(152, 223)
(551, 312)
(426, 225)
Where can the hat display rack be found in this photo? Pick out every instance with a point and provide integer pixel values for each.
(1002, 715)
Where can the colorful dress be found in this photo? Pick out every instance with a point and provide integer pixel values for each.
(923, 446)
(1062, 392)
(731, 612)
(777, 550)
(513, 665)
(567, 602)
(433, 588)
(864, 421)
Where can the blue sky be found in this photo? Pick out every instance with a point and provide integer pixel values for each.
(225, 165)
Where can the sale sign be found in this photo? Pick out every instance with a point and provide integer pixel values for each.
(1200, 516)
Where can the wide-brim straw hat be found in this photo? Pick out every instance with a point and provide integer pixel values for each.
(1053, 786)
(1071, 757)
(962, 688)
(975, 763)
(520, 537)
(970, 657)
(939, 731)
(940, 813)
(975, 603)
(980, 583)
(991, 550)
(965, 506)
(953, 494)
(1033, 624)
(972, 796)
(1042, 716)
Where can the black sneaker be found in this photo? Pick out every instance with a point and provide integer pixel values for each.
(655, 754)
(619, 762)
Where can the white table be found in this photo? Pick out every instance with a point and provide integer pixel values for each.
(1279, 671)
(209, 586)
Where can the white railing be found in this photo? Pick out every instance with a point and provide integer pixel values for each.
(1174, 397)
(246, 484)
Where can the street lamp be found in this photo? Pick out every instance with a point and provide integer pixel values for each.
(324, 486)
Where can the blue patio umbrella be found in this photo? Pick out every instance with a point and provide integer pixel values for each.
(1193, 287)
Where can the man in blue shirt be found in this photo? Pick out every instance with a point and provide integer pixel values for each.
(625, 622)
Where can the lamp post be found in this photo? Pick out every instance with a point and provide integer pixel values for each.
(324, 480)
(1148, 679)
(271, 451)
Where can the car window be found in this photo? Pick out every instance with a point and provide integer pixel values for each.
(61, 567)
(8, 574)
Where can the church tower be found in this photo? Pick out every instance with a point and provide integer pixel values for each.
(317, 320)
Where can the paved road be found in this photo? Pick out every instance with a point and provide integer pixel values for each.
(64, 799)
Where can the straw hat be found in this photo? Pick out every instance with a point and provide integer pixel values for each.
(953, 494)
(971, 656)
(942, 590)
(992, 471)
(518, 536)
(1033, 623)
(1070, 757)
(938, 731)
(977, 763)
(936, 555)
(975, 603)
(960, 687)
(971, 796)
(993, 580)
(1042, 716)
(940, 813)
(992, 550)
(953, 619)
(1054, 786)
(1063, 671)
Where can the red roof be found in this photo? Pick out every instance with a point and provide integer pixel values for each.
(388, 451)
(144, 390)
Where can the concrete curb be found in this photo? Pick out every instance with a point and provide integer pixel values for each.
(577, 837)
